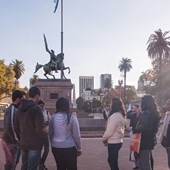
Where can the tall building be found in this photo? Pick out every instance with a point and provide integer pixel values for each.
(103, 77)
(85, 82)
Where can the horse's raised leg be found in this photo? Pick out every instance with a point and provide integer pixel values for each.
(62, 74)
(46, 76)
(52, 75)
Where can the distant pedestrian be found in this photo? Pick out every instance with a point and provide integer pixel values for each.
(46, 146)
(165, 131)
(148, 127)
(105, 113)
(10, 141)
(30, 125)
(65, 136)
(134, 118)
(113, 136)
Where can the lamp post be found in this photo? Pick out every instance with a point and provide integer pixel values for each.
(120, 82)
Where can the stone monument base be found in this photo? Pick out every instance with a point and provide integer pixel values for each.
(52, 89)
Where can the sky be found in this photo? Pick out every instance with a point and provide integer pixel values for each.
(97, 35)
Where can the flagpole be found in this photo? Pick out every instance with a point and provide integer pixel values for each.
(61, 26)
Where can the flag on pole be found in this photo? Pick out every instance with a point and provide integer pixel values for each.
(56, 2)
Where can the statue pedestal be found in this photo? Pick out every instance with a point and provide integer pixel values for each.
(52, 89)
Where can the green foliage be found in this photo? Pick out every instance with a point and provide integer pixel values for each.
(152, 80)
(87, 106)
(6, 76)
(107, 100)
(34, 79)
(96, 103)
(107, 83)
(18, 68)
(130, 94)
(79, 102)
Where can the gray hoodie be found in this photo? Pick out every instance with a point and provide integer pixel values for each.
(63, 135)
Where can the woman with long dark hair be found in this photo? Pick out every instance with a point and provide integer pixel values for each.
(148, 127)
(113, 136)
(65, 136)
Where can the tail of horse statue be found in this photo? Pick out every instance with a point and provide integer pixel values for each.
(38, 66)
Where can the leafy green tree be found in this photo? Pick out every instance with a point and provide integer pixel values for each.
(34, 79)
(79, 102)
(6, 76)
(150, 79)
(130, 94)
(95, 104)
(125, 66)
(106, 101)
(87, 106)
(165, 91)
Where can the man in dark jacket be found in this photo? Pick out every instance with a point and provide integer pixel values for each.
(9, 138)
(31, 131)
(134, 118)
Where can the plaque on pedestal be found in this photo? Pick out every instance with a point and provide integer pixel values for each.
(52, 89)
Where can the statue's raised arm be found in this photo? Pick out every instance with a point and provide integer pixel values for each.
(46, 45)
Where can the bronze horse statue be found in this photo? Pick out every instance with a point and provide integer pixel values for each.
(50, 67)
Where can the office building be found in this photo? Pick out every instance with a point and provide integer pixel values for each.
(85, 82)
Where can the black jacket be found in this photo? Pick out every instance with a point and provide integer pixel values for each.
(8, 134)
(148, 127)
(134, 119)
(30, 125)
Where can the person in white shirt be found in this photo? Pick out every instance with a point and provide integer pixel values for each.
(65, 136)
(113, 136)
(46, 116)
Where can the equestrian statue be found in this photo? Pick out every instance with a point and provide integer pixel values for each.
(56, 63)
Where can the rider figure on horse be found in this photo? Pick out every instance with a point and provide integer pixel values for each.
(56, 63)
(53, 58)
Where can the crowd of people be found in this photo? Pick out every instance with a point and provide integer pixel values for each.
(30, 130)
(145, 120)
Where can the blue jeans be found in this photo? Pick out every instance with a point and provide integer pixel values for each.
(168, 154)
(12, 154)
(113, 153)
(30, 159)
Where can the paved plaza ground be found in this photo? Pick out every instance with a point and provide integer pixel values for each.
(94, 157)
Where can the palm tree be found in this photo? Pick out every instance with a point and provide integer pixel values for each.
(125, 66)
(159, 47)
(107, 84)
(18, 68)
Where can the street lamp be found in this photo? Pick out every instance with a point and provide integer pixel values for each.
(120, 82)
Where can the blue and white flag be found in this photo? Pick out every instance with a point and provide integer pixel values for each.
(56, 6)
